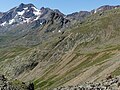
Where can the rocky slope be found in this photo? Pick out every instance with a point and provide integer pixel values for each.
(110, 83)
(54, 50)
(1, 14)
(14, 85)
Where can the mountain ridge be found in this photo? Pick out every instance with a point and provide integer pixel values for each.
(77, 15)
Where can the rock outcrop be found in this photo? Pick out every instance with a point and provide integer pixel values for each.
(14, 85)
(110, 83)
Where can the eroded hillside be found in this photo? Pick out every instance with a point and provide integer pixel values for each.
(64, 55)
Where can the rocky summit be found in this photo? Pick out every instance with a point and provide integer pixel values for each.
(44, 49)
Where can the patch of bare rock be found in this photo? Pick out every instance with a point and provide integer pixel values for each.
(110, 83)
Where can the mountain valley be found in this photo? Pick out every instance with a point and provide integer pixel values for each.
(52, 50)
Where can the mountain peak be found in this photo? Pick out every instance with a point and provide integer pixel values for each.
(29, 5)
(42, 8)
(22, 4)
(104, 8)
(57, 11)
(24, 13)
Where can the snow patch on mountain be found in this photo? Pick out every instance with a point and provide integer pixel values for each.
(95, 11)
(27, 20)
(3, 24)
(37, 18)
(26, 8)
(36, 11)
(24, 14)
(12, 21)
(21, 13)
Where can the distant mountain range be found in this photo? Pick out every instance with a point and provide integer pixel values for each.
(28, 13)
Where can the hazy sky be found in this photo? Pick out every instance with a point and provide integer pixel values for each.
(65, 6)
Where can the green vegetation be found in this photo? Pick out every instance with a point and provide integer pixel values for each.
(116, 72)
(95, 47)
(93, 43)
(11, 52)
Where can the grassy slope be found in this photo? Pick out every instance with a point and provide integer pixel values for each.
(97, 50)
(86, 52)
